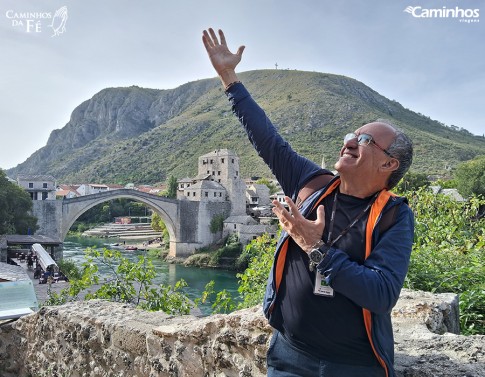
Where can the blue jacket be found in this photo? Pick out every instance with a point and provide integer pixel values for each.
(375, 285)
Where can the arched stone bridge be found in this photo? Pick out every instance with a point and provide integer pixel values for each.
(187, 221)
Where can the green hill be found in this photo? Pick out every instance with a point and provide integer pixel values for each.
(141, 135)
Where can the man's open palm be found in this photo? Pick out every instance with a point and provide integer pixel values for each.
(221, 58)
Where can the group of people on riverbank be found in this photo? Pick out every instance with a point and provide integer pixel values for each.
(51, 275)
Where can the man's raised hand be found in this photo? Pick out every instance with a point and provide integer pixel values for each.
(223, 60)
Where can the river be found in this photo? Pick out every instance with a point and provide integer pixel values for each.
(166, 273)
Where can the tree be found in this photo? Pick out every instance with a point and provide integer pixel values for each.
(15, 209)
(171, 187)
(470, 177)
(412, 181)
(130, 282)
(159, 226)
(265, 181)
(217, 223)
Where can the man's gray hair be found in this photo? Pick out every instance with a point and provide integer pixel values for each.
(401, 149)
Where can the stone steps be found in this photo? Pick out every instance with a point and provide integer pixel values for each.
(123, 231)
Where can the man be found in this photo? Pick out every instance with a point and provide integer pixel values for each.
(345, 246)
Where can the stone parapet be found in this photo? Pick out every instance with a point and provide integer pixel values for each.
(99, 338)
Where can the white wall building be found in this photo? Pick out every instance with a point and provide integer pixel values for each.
(91, 188)
(40, 187)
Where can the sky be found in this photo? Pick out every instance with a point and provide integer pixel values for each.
(431, 65)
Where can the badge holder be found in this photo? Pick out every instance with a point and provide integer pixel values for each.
(321, 288)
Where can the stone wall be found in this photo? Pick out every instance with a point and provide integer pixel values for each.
(98, 338)
(48, 212)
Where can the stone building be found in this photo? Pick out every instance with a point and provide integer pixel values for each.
(205, 190)
(219, 180)
(40, 187)
(222, 166)
(257, 195)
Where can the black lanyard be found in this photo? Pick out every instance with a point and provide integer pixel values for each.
(332, 219)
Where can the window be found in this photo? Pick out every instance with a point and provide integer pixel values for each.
(188, 193)
(208, 172)
(235, 226)
(219, 172)
(31, 185)
(212, 161)
(44, 185)
(215, 194)
(44, 196)
(222, 160)
(193, 194)
(237, 173)
(213, 172)
(206, 194)
(232, 160)
(219, 180)
(220, 195)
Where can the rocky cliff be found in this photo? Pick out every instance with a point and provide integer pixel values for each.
(140, 135)
(98, 338)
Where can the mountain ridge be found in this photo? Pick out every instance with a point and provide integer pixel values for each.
(141, 135)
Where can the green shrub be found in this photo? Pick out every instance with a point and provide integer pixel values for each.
(68, 268)
(217, 223)
(252, 283)
(129, 282)
(231, 251)
(448, 253)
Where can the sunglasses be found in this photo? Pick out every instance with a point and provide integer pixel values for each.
(365, 139)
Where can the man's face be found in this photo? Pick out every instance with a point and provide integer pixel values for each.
(364, 160)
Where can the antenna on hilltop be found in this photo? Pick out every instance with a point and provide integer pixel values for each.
(276, 65)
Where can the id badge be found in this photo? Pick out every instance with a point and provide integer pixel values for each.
(321, 287)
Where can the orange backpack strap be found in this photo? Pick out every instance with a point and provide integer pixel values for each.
(374, 213)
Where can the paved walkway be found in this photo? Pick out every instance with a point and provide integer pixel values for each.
(41, 289)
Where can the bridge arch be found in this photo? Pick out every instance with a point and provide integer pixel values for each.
(165, 207)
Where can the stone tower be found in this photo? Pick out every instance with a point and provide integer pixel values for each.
(223, 167)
